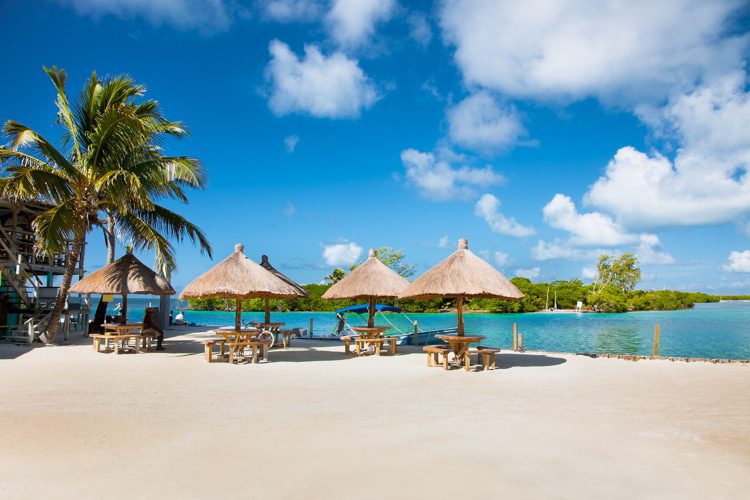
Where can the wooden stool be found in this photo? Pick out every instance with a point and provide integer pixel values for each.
(377, 343)
(208, 347)
(434, 353)
(347, 342)
(392, 344)
(487, 356)
(286, 337)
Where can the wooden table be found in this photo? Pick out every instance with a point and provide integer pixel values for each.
(267, 326)
(237, 340)
(120, 334)
(123, 329)
(370, 331)
(459, 344)
(273, 328)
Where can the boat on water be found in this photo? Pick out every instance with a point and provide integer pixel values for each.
(400, 325)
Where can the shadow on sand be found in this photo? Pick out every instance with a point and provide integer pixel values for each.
(512, 360)
(13, 351)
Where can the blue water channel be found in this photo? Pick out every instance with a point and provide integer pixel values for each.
(720, 330)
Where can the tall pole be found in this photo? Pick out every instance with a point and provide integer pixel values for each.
(267, 308)
(124, 312)
(460, 315)
(371, 313)
(238, 315)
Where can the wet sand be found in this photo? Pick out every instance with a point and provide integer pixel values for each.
(316, 423)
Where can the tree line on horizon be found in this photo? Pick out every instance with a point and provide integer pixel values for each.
(612, 291)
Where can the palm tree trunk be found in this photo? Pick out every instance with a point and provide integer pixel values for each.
(111, 241)
(71, 261)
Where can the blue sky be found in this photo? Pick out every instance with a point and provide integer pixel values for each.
(546, 133)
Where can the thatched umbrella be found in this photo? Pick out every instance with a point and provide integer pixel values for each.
(127, 275)
(301, 292)
(237, 277)
(461, 275)
(371, 280)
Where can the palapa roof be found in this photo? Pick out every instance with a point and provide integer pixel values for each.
(238, 277)
(462, 274)
(127, 275)
(268, 267)
(371, 279)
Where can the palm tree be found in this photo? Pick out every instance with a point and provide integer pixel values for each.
(112, 175)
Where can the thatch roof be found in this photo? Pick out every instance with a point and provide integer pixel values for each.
(462, 274)
(371, 279)
(238, 277)
(268, 267)
(126, 275)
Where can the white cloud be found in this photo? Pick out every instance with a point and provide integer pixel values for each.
(589, 273)
(435, 178)
(290, 142)
(327, 87)
(479, 122)
(286, 11)
(488, 208)
(558, 250)
(707, 183)
(586, 229)
(502, 259)
(649, 252)
(341, 254)
(205, 15)
(289, 209)
(530, 273)
(419, 28)
(739, 262)
(352, 22)
(571, 49)
(443, 242)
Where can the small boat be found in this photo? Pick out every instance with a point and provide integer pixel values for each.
(400, 324)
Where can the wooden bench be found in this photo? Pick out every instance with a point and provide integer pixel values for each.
(435, 353)
(393, 343)
(120, 341)
(236, 348)
(362, 344)
(347, 340)
(286, 337)
(487, 356)
(208, 347)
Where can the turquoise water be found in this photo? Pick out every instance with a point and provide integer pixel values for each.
(719, 330)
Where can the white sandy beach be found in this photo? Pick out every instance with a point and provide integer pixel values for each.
(315, 423)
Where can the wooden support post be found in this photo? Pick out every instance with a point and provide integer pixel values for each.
(656, 345)
(515, 336)
(310, 331)
(460, 315)
(237, 315)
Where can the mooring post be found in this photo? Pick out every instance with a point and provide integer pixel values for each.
(657, 341)
(515, 336)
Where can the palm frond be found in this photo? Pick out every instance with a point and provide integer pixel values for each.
(59, 77)
(144, 236)
(175, 226)
(33, 183)
(54, 227)
(22, 136)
